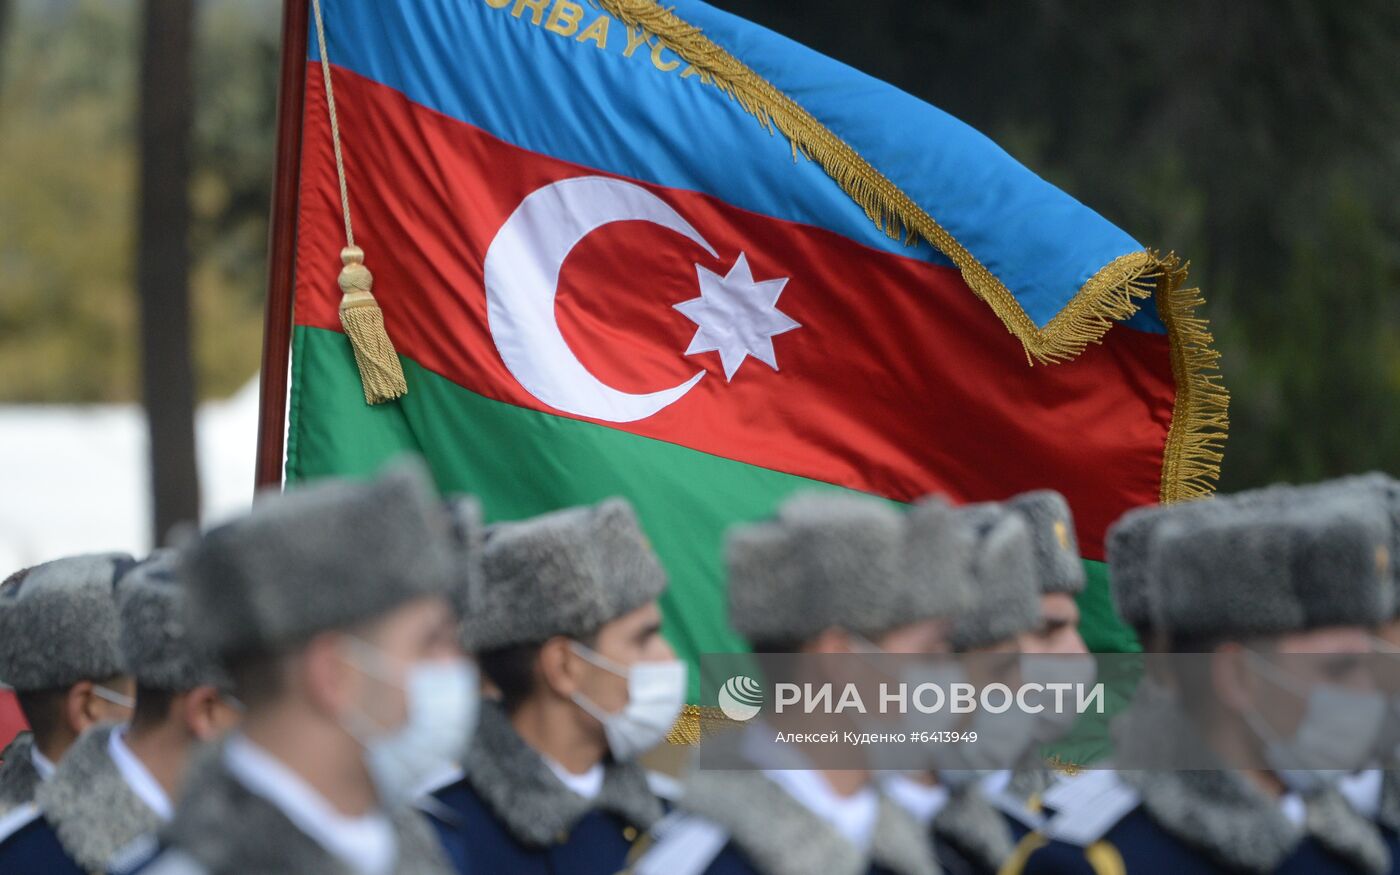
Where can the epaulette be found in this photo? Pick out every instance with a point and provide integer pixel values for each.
(17, 819)
(682, 844)
(1087, 807)
(1030, 813)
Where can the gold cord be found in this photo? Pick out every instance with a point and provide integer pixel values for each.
(381, 373)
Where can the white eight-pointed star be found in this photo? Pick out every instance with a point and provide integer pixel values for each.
(737, 316)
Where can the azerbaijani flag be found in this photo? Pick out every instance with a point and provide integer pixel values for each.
(670, 255)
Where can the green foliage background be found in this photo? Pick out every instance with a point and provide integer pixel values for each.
(1260, 139)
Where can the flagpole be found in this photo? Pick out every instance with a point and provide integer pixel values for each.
(281, 250)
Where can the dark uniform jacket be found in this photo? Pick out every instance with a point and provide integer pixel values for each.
(18, 777)
(511, 814)
(1146, 823)
(223, 828)
(83, 816)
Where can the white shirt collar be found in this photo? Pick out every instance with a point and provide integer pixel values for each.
(1363, 791)
(1293, 808)
(921, 801)
(42, 764)
(853, 817)
(366, 845)
(588, 784)
(138, 777)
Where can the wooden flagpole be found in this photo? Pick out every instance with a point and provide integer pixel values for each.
(281, 254)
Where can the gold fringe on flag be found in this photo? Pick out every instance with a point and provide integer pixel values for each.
(696, 723)
(1201, 416)
(1200, 420)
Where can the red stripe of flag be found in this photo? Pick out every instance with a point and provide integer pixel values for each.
(899, 381)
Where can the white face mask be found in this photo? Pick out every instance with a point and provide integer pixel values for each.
(1002, 740)
(1045, 669)
(655, 695)
(442, 698)
(121, 700)
(1336, 735)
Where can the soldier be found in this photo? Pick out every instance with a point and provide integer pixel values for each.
(1375, 792)
(1059, 571)
(569, 632)
(831, 574)
(1246, 581)
(969, 834)
(116, 783)
(1053, 651)
(59, 651)
(330, 607)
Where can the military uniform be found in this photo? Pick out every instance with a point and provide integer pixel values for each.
(510, 813)
(327, 557)
(86, 814)
(226, 827)
(1375, 794)
(824, 561)
(1241, 568)
(58, 626)
(968, 834)
(20, 774)
(102, 805)
(1163, 823)
(565, 573)
(746, 823)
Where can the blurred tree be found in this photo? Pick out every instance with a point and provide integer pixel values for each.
(165, 118)
(67, 196)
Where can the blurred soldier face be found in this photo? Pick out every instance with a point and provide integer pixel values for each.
(926, 636)
(1302, 693)
(1058, 631)
(627, 640)
(1335, 656)
(423, 630)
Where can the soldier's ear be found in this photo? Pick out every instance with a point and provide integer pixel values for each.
(324, 672)
(81, 707)
(1231, 678)
(199, 710)
(558, 667)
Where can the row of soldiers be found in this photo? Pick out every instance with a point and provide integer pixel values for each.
(355, 678)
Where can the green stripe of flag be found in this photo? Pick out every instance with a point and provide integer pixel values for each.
(523, 462)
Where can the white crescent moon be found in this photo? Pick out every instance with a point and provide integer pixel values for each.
(522, 276)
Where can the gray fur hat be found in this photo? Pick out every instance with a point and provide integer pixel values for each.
(1129, 540)
(59, 623)
(1258, 567)
(154, 639)
(563, 573)
(837, 559)
(938, 547)
(1006, 588)
(1057, 561)
(464, 518)
(321, 557)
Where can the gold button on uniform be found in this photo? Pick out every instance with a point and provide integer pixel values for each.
(629, 833)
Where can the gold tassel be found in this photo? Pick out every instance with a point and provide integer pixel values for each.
(381, 375)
